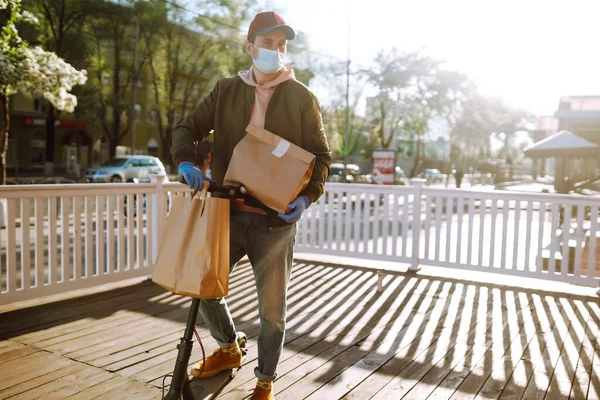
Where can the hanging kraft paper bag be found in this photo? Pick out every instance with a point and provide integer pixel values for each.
(193, 256)
(273, 170)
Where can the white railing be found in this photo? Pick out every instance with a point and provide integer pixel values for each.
(532, 235)
(64, 237)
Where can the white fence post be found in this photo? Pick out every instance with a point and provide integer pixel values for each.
(416, 228)
(157, 213)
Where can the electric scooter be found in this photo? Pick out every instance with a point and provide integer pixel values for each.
(180, 388)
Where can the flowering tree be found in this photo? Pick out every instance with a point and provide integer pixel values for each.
(32, 69)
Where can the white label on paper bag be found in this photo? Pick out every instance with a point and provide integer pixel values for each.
(281, 148)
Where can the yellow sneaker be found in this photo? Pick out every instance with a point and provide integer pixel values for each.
(220, 360)
(263, 391)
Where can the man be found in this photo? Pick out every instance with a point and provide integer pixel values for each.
(268, 96)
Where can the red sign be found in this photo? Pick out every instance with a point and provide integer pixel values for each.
(30, 121)
(384, 166)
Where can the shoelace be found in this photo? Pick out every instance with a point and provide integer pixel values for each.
(233, 349)
(265, 385)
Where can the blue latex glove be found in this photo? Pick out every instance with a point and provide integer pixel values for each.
(192, 175)
(296, 207)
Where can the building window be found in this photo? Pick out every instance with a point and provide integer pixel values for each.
(40, 105)
(153, 116)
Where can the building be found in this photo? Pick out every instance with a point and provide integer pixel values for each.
(580, 115)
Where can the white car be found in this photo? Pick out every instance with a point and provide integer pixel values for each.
(126, 169)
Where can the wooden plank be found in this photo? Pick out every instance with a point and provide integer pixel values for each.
(385, 223)
(25, 244)
(594, 385)
(540, 244)
(553, 239)
(348, 214)
(157, 367)
(89, 231)
(111, 257)
(132, 390)
(339, 205)
(309, 377)
(376, 217)
(494, 214)
(583, 370)
(29, 367)
(542, 374)
(330, 212)
(65, 238)
(471, 209)
(482, 213)
(591, 270)
(325, 332)
(471, 372)
(526, 266)
(459, 232)
(395, 222)
(140, 232)
(415, 347)
(438, 226)
(77, 256)
(102, 304)
(40, 266)
(427, 226)
(480, 338)
(66, 385)
(580, 241)
(92, 392)
(564, 269)
(11, 242)
(517, 219)
(121, 264)
(505, 211)
(14, 352)
(449, 215)
(100, 231)
(564, 370)
(52, 242)
(25, 388)
(405, 224)
(130, 264)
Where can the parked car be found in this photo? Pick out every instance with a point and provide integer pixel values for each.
(349, 173)
(400, 176)
(432, 175)
(126, 169)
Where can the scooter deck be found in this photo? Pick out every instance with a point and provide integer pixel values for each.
(209, 388)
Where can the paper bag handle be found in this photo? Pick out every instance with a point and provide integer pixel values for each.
(203, 192)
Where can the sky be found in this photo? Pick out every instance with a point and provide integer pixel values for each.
(528, 52)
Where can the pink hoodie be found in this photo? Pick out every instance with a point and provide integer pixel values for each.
(263, 94)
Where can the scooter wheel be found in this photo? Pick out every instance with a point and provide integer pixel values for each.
(242, 340)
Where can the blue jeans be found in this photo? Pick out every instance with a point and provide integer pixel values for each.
(271, 251)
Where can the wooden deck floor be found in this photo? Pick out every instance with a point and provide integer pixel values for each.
(422, 338)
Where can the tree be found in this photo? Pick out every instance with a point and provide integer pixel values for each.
(61, 27)
(186, 59)
(112, 69)
(181, 66)
(412, 89)
(29, 69)
(480, 119)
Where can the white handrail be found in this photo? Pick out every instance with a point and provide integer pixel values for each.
(58, 238)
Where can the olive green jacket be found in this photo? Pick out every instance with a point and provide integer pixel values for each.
(293, 113)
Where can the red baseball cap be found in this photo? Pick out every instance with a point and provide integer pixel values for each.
(265, 22)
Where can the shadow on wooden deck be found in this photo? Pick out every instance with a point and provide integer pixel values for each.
(422, 337)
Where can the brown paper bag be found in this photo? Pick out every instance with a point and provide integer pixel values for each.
(273, 170)
(193, 256)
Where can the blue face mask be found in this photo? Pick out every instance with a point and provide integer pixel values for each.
(269, 61)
